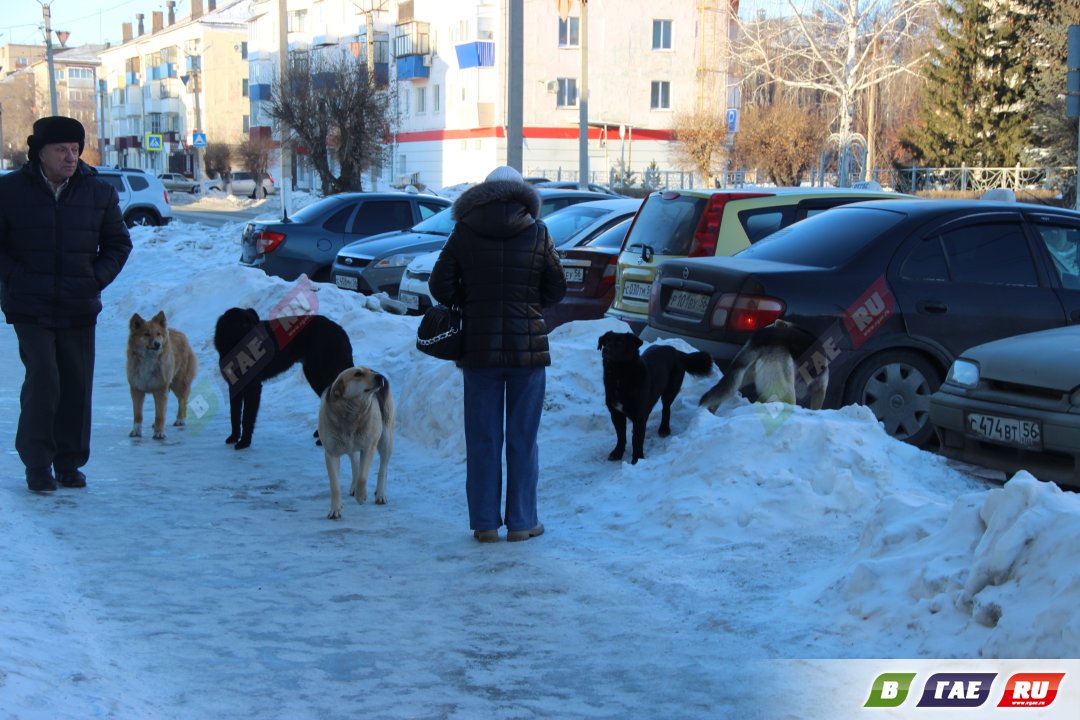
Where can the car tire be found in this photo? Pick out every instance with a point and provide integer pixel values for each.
(896, 385)
(140, 217)
(194, 189)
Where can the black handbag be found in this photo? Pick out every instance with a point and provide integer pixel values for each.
(439, 334)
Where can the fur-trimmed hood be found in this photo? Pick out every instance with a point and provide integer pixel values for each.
(499, 208)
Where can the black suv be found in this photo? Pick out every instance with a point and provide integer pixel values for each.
(895, 291)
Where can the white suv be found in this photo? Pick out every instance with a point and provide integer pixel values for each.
(143, 198)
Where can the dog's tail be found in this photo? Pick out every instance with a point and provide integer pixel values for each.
(729, 384)
(698, 364)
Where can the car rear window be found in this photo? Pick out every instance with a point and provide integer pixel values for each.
(666, 223)
(612, 237)
(566, 222)
(138, 183)
(826, 240)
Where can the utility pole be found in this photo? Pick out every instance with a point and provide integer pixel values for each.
(284, 171)
(583, 101)
(515, 87)
(3, 148)
(46, 11)
(196, 87)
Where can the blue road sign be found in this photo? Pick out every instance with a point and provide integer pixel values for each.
(198, 139)
(153, 141)
(732, 120)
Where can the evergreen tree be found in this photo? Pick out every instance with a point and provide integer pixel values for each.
(975, 108)
(1053, 134)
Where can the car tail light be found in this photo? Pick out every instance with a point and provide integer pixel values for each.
(654, 298)
(708, 229)
(608, 276)
(746, 313)
(268, 241)
(166, 197)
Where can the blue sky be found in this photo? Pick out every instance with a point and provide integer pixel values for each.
(88, 21)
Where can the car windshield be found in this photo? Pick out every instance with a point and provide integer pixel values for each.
(667, 223)
(438, 224)
(612, 237)
(566, 222)
(827, 240)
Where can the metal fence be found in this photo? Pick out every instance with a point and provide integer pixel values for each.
(1061, 180)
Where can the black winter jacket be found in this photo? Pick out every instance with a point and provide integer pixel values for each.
(56, 256)
(500, 266)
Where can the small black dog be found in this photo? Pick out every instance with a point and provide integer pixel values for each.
(251, 351)
(634, 381)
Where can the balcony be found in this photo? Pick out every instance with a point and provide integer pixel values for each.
(131, 78)
(414, 67)
(160, 72)
(475, 54)
(412, 38)
(259, 93)
(261, 132)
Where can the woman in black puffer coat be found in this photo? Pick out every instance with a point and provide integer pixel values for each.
(500, 267)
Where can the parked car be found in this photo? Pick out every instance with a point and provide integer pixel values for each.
(309, 241)
(896, 290)
(377, 264)
(243, 183)
(178, 182)
(143, 198)
(1014, 404)
(573, 185)
(413, 290)
(580, 223)
(590, 277)
(704, 223)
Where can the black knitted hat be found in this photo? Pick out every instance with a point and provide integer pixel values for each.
(55, 129)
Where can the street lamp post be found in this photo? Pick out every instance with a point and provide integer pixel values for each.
(46, 12)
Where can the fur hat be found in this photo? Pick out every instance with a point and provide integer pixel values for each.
(506, 173)
(55, 129)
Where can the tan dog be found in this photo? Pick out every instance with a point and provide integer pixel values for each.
(356, 417)
(159, 359)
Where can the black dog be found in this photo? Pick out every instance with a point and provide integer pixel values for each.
(251, 351)
(633, 383)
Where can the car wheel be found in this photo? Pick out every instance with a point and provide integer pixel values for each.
(140, 217)
(322, 275)
(897, 385)
(194, 189)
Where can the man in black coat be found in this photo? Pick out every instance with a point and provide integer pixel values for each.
(500, 266)
(62, 241)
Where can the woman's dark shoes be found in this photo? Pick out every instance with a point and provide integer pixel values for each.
(71, 478)
(521, 535)
(40, 480)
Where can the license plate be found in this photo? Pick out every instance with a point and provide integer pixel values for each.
(346, 282)
(1026, 434)
(410, 300)
(574, 275)
(688, 302)
(636, 290)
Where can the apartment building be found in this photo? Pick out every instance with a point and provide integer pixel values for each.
(165, 81)
(447, 65)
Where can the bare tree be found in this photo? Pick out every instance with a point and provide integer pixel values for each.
(217, 160)
(839, 48)
(780, 140)
(333, 107)
(700, 138)
(255, 154)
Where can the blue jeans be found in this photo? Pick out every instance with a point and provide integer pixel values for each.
(489, 394)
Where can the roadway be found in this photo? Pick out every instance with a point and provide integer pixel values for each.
(218, 214)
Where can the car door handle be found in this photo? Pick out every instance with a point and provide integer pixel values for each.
(932, 306)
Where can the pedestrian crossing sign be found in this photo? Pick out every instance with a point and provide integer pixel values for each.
(153, 141)
(198, 139)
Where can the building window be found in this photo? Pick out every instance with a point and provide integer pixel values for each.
(244, 87)
(298, 21)
(567, 93)
(247, 124)
(569, 32)
(243, 50)
(661, 34)
(421, 100)
(435, 102)
(405, 104)
(661, 95)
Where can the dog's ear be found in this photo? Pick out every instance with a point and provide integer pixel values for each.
(338, 389)
(135, 322)
(251, 313)
(602, 340)
(160, 318)
(638, 342)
